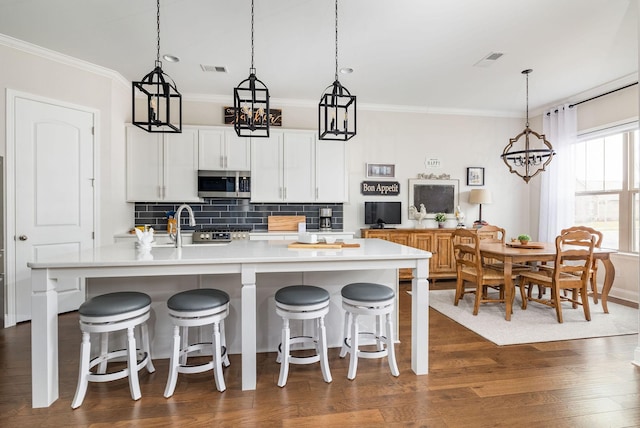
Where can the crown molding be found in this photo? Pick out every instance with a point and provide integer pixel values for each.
(61, 58)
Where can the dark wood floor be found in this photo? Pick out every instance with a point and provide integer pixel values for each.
(472, 382)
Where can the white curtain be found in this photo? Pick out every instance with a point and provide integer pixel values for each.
(557, 186)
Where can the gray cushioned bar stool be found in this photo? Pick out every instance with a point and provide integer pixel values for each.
(303, 302)
(105, 314)
(365, 298)
(197, 308)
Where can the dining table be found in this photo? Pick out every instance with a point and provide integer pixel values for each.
(533, 253)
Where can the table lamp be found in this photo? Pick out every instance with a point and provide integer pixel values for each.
(479, 196)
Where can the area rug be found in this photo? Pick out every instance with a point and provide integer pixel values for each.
(537, 323)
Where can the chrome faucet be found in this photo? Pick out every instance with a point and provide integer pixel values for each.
(192, 222)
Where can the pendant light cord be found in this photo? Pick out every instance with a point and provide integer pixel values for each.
(158, 63)
(253, 70)
(526, 73)
(336, 39)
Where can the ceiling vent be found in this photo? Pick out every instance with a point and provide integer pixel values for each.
(213, 68)
(489, 59)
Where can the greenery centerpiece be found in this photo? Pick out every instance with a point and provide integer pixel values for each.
(524, 239)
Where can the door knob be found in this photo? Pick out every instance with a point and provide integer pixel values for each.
(23, 237)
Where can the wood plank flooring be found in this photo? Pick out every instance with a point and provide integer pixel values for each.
(472, 382)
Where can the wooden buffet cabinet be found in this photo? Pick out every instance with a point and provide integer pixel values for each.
(437, 241)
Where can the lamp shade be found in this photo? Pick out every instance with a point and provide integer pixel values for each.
(480, 196)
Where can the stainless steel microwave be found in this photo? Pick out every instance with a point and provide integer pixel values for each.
(224, 184)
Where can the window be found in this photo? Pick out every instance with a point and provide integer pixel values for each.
(607, 168)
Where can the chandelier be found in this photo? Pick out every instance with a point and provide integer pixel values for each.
(162, 109)
(251, 102)
(337, 108)
(528, 153)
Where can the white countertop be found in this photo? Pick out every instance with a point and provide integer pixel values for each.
(126, 254)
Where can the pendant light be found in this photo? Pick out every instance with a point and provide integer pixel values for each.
(531, 155)
(162, 109)
(251, 102)
(337, 108)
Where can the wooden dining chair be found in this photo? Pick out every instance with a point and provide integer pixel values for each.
(574, 256)
(593, 273)
(466, 246)
(496, 234)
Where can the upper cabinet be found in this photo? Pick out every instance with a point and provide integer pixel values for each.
(293, 166)
(162, 167)
(220, 149)
(331, 171)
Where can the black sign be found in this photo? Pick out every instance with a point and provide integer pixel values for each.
(383, 188)
(275, 116)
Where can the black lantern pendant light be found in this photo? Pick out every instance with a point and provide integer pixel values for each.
(337, 108)
(537, 153)
(162, 109)
(251, 102)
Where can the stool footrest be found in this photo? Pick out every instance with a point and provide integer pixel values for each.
(120, 374)
(198, 368)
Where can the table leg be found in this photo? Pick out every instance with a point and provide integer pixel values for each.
(420, 318)
(609, 275)
(44, 339)
(508, 287)
(248, 327)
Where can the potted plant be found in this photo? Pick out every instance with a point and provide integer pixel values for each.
(441, 218)
(524, 239)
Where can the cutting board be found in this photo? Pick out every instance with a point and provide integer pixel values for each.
(285, 222)
(324, 246)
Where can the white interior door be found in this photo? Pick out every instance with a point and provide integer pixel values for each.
(54, 203)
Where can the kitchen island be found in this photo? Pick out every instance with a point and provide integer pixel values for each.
(245, 259)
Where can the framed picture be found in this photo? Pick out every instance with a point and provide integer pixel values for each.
(438, 196)
(383, 170)
(475, 176)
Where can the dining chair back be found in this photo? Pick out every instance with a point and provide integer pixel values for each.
(593, 274)
(469, 269)
(496, 234)
(574, 256)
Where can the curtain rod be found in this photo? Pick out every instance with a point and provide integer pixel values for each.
(598, 96)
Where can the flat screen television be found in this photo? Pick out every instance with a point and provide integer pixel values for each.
(379, 214)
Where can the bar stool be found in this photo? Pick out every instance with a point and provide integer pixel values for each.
(303, 302)
(364, 298)
(105, 314)
(197, 308)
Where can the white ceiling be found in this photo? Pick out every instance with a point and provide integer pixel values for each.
(416, 54)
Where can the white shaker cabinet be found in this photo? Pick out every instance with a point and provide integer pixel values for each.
(220, 149)
(282, 167)
(331, 171)
(162, 166)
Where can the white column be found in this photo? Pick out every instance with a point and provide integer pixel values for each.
(248, 326)
(420, 318)
(44, 339)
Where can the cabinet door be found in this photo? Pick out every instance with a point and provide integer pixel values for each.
(222, 150)
(299, 166)
(144, 165)
(181, 166)
(266, 169)
(443, 259)
(237, 152)
(211, 153)
(331, 178)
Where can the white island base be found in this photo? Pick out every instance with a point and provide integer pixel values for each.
(250, 271)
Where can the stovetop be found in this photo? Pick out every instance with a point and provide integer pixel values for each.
(221, 234)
